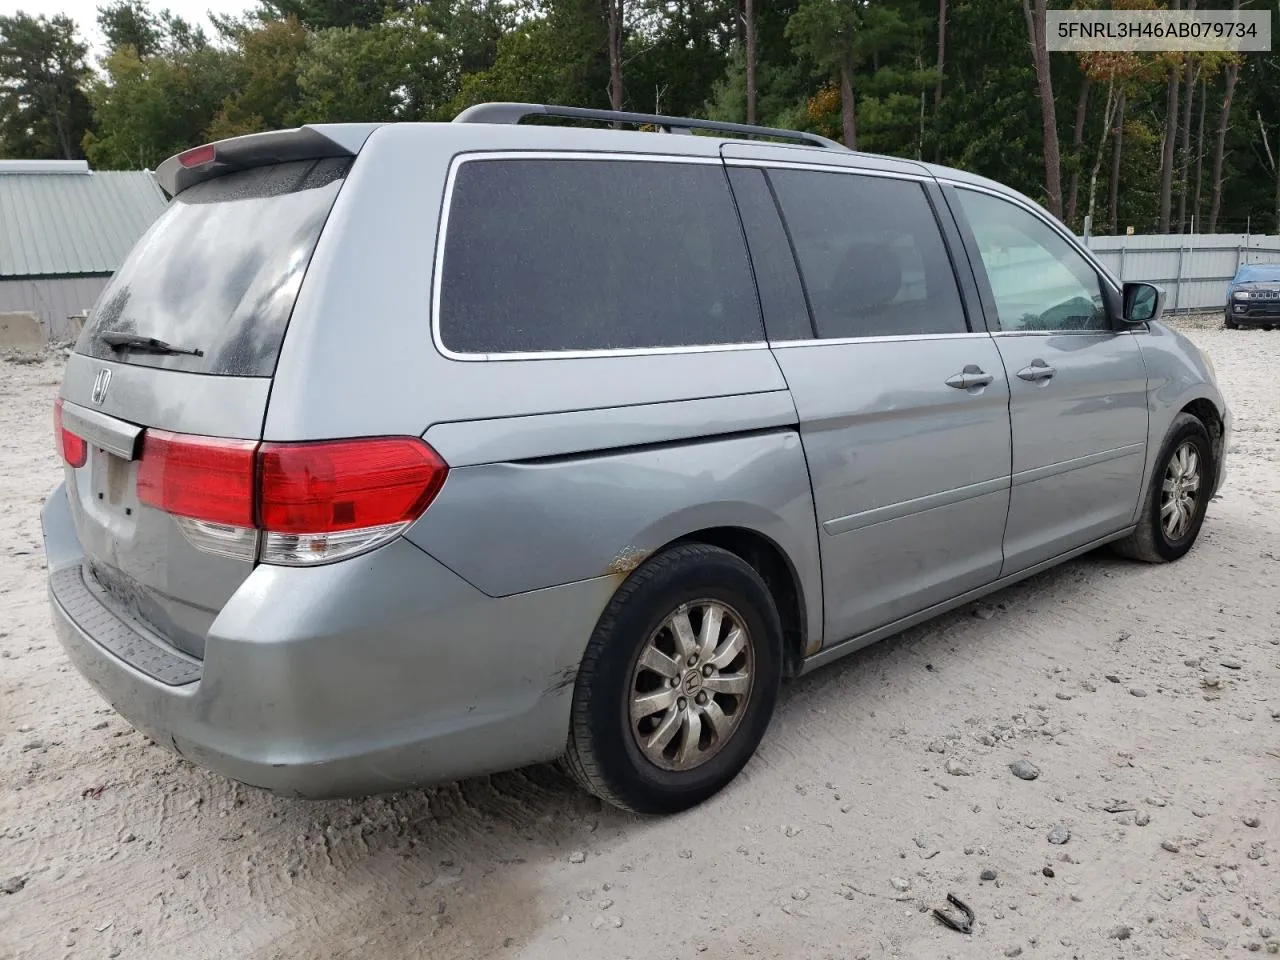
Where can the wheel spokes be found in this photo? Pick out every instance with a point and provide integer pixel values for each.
(691, 735)
(709, 636)
(657, 661)
(1191, 464)
(679, 713)
(646, 705)
(1180, 490)
(682, 632)
(729, 650)
(660, 737)
(732, 683)
(716, 719)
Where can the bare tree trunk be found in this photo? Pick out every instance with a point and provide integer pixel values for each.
(1048, 113)
(750, 8)
(1166, 155)
(942, 51)
(63, 139)
(920, 139)
(1197, 219)
(1192, 71)
(1115, 166)
(848, 112)
(1233, 72)
(937, 89)
(614, 10)
(1273, 161)
(1107, 111)
(1170, 140)
(49, 96)
(1077, 144)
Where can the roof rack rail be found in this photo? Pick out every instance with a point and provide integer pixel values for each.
(515, 112)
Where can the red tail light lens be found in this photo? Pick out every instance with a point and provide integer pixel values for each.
(74, 450)
(199, 477)
(197, 156)
(346, 484)
(316, 502)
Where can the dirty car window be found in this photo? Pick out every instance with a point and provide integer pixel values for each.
(219, 271)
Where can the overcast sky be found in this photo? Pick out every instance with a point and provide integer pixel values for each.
(85, 12)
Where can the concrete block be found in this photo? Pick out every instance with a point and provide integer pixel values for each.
(21, 331)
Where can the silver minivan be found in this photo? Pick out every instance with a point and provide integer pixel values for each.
(407, 452)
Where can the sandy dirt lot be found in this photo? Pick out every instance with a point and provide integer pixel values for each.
(1148, 697)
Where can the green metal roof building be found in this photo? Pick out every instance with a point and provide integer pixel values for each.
(64, 229)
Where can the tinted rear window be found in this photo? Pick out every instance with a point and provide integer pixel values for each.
(220, 269)
(548, 255)
(871, 254)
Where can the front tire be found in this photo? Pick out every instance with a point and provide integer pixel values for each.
(1177, 496)
(678, 682)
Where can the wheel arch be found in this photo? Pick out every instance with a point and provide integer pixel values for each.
(779, 573)
(1207, 412)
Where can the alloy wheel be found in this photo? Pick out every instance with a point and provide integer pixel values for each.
(1180, 491)
(691, 684)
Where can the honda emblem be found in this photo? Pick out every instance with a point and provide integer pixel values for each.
(100, 384)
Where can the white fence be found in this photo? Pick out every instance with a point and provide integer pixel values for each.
(1193, 269)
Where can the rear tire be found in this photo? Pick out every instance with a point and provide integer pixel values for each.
(1177, 496)
(668, 634)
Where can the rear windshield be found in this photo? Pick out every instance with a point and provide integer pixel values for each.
(219, 271)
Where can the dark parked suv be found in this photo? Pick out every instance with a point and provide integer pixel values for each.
(1253, 297)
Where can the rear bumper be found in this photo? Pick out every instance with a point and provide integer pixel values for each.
(379, 673)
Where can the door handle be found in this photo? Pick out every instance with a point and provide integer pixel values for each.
(971, 376)
(1037, 372)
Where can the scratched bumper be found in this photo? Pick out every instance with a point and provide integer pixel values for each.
(380, 673)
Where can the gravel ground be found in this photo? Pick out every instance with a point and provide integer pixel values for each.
(1146, 697)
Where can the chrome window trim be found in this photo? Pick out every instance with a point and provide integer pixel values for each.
(1059, 333)
(825, 168)
(437, 266)
(1056, 225)
(891, 338)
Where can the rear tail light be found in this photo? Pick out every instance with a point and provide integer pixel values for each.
(197, 156)
(342, 497)
(198, 477)
(289, 503)
(74, 450)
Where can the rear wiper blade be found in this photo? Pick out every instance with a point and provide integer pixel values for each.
(134, 341)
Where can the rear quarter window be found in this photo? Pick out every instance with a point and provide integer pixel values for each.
(565, 255)
(220, 270)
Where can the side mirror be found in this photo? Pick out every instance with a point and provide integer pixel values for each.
(1143, 302)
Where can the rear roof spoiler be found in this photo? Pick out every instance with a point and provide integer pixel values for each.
(312, 142)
